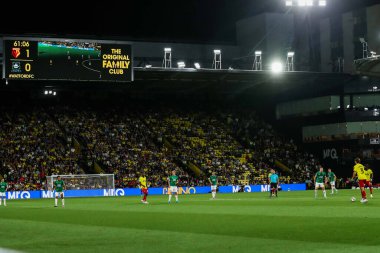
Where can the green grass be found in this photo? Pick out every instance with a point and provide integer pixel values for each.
(243, 222)
(54, 51)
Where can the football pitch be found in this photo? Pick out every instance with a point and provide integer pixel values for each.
(242, 222)
(48, 51)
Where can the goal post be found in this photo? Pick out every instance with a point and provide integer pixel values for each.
(84, 181)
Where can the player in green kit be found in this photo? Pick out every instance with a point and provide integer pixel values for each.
(3, 191)
(59, 187)
(213, 179)
(332, 179)
(173, 181)
(319, 182)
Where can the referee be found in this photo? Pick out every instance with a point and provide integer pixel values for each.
(273, 181)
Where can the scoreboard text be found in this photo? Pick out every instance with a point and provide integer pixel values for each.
(67, 60)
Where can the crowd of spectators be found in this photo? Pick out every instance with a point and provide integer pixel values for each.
(271, 149)
(31, 147)
(239, 147)
(121, 143)
(200, 139)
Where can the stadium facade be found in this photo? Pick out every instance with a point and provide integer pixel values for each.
(334, 114)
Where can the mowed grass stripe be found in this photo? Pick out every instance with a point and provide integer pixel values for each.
(257, 204)
(288, 226)
(35, 237)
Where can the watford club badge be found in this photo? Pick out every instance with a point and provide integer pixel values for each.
(16, 52)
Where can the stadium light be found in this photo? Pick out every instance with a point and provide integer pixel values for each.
(276, 67)
(167, 50)
(301, 3)
(305, 3)
(50, 92)
(258, 62)
(322, 3)
(181, 64)
(46, 92)
(54, 93)
(217, 62)
(197, 65)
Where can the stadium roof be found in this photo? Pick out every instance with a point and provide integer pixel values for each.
(369, 66)
(256, 85)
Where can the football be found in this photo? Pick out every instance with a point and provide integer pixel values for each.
(353, 199)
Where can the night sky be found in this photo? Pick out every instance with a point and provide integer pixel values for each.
(203, 21)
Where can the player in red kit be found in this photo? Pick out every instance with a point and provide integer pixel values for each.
(144, 188)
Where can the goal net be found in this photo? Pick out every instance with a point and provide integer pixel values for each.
(84, 181)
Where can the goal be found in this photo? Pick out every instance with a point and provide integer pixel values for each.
(84, 181)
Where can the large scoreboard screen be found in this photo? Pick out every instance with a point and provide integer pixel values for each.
(60, 59)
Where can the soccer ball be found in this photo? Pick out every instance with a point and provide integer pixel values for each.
(353, 199)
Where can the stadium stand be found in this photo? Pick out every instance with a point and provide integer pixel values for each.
(31, 147)
(239, 146)
(119, 142)
(271, 148)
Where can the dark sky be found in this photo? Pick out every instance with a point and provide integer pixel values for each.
(169, 20)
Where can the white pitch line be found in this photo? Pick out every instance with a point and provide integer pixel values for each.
(208, 200)
(3, 250)
(89, 67)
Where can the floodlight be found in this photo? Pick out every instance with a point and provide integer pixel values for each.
(50, 92)
(375, 87)
(276, 67)
(290, 54)
(197, 65)
(54, 93)
(322, 3)
(258, 52)
(148, 66)
(217, 62)
(181, 64)
(301, 2)
(365, 108)
(373, 53)
(289, 3)
(168, 49)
